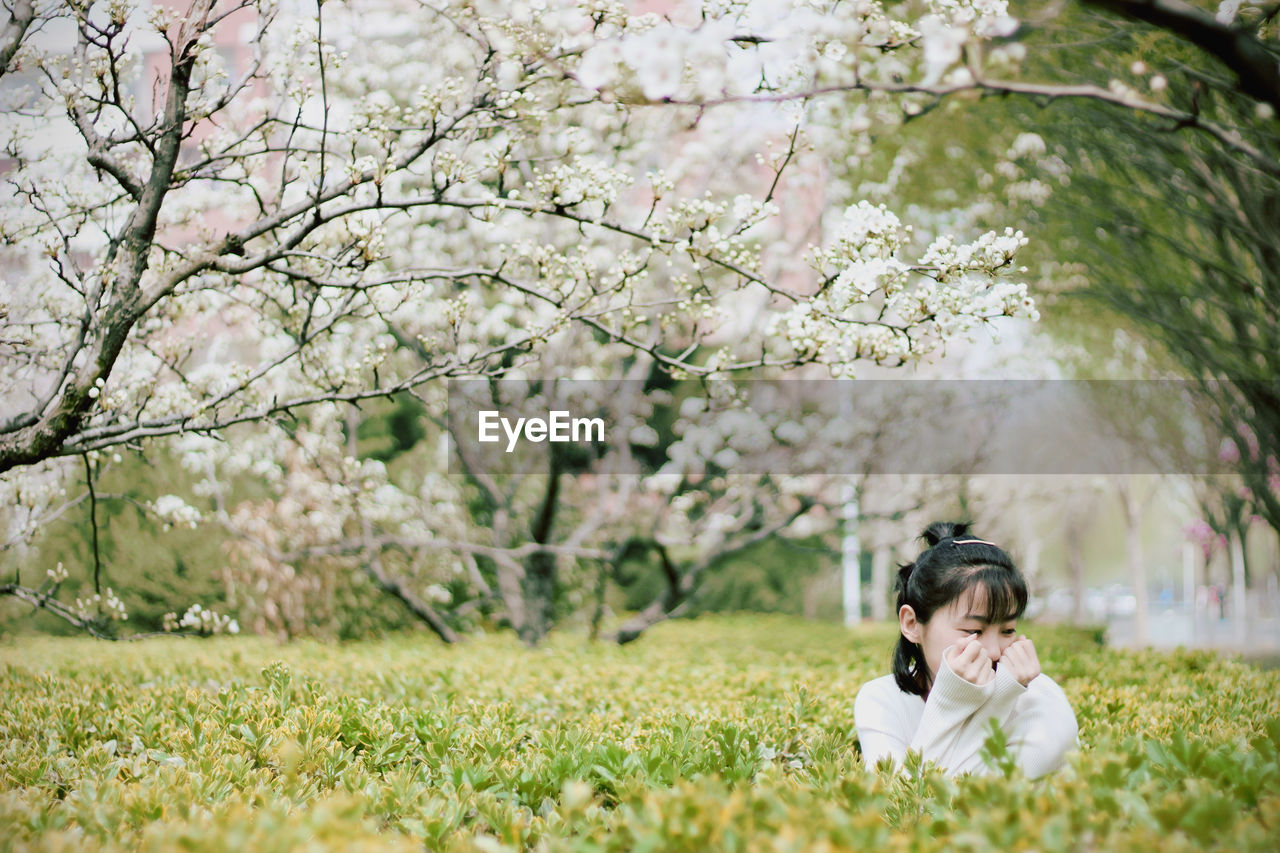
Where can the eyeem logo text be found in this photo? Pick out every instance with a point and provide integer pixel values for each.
(557, 426)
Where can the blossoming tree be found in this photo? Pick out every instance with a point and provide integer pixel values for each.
(227, 224)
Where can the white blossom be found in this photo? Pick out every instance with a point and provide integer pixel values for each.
(202, 621)
(172, 509)
(943, 42)
(1227, 11)
(510, 199)
(108, 604)
(58, 573)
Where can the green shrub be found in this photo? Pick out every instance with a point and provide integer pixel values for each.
(722, 733)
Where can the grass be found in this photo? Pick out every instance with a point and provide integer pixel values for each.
(724, 733)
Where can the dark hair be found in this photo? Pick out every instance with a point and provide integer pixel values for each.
(955, 562)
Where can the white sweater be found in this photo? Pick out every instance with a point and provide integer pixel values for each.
(951, 727)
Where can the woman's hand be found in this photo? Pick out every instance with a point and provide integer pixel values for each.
(1021, 661)
(970, 661)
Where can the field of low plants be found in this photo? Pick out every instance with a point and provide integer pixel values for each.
(724, 733)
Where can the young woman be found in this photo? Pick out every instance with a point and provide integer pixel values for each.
(961, 663)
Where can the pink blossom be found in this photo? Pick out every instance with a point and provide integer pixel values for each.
(1228, 452)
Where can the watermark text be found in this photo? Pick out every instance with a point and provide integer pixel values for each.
(558, 426)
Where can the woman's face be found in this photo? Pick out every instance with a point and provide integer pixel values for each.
(964, 617)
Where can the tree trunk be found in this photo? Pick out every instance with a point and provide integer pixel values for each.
(683, 581)
(1239, 586)
(1137, 568)
(1075, 567)
(540, 582)
(851, 557)
(680, 585)
(881, 558)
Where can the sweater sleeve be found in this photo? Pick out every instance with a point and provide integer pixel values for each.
(956, 718)
(1043, 729)
(880, 725)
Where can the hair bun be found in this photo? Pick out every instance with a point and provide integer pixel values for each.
(941, 530)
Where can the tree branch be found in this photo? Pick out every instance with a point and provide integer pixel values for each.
(129, 256)
(12, 33)
(396, 588)
(1254, 65)
(1180, 118)
(44, 601)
